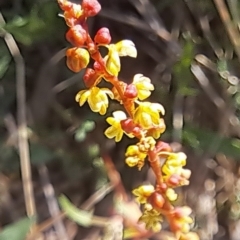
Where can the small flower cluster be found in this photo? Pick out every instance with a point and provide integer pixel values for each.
(140, 119)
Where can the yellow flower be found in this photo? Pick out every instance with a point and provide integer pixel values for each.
(185, 175)
(132, 161)
(132, 150)
(146, 144)
(115, 51)
(143, 192)
(157, 130)
(171, 194)
(134, 156)
(177, 159)
(126, 48)
(152, 220)
(96, 98)
(113, 64)
(147, 114)
(115, 130)
(143, 85)
(174, 163)
(181, 219)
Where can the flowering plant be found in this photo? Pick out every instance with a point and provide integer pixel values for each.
(140, 119)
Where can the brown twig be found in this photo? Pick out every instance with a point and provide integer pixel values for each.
(23, 145)
(52, 202)
(87, 205)
(232, 31)
(234, 9)
(114, 177)
(204, 23)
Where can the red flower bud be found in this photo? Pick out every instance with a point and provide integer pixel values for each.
(90, 77)
(91, 7)
(98, 67)
(156, 200)
(137, 131)
(129, 126)
(163, 147)
(130, 91)
(77, 58)
(163, 187)
(76, 35)
(174, 180)
(103, 36)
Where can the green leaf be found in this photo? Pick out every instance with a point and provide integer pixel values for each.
(4, 60)
(40, 23)
(17, 230)
(187, 91)
(81, 217)
(181, 70)
(9, 160)
(203, 140)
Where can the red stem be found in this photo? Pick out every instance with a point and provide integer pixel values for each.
(155, 165)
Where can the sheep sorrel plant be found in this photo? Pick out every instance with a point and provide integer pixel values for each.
(140, 119)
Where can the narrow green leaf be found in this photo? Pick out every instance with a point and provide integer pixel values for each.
(17, 230)
(4, 64)
(77, 215)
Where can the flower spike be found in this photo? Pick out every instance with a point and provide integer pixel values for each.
(138, 118)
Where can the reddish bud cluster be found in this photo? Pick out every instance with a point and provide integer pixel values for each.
(75, 16)
(91, 78)
(76, 35)
(156, 200)
(102, 36)
(77, 59)
(98, 67)
(130, 91)
(173, 180)
(129, 126)
(91, 7)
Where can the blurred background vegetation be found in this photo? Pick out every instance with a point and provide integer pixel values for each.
(191, 51)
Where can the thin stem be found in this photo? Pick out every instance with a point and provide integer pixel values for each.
(234, 9)
(232, 31)
(155, 165)
(22, 123)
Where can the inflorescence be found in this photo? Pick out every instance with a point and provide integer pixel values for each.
(140, 119)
